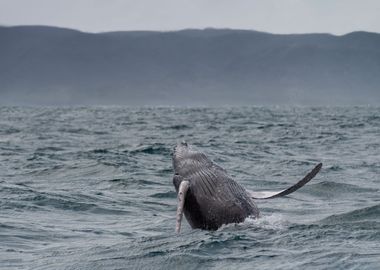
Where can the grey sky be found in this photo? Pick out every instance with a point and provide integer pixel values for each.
(281, 16)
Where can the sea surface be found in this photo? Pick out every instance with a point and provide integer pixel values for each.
(91, 187)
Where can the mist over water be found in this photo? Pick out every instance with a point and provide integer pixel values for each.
(91, 187)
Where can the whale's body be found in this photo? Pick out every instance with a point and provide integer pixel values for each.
(213, 197)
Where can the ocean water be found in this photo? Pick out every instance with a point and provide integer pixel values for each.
(91, 188)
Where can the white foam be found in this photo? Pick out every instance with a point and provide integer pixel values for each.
(273, 221)
(268, 222)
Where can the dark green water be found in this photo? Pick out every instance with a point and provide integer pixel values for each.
(91, 188)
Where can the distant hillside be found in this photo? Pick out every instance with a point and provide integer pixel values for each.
(53, 66)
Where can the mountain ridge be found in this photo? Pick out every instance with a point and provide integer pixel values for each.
(58, 66)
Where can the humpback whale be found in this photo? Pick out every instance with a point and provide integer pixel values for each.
(209, 197)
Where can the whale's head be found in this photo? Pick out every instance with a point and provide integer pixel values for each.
(181, 154)
(187, 159)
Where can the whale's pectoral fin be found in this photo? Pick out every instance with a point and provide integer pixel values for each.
(182, 190)
(275, 194)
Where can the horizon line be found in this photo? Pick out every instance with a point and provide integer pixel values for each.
(183, 29)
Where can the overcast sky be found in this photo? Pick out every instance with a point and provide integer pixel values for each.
(281, 16)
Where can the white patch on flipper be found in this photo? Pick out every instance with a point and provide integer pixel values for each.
(182, 190)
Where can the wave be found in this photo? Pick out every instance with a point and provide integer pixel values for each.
(179, 127)
(154, 149)
(169, 194)
(26, 198)
(9, 130)
(371, 213)
(334, 189)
